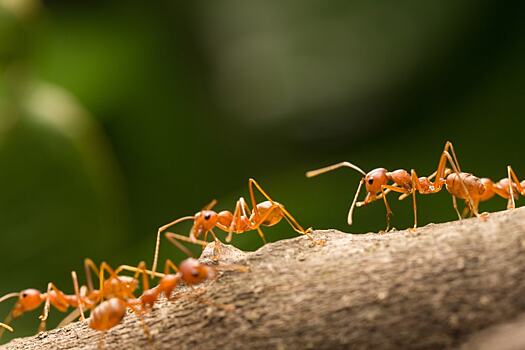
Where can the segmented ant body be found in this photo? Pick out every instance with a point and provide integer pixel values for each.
(85, 297)
(508, 188)
(31, 299)
(243, 219)
(190, 271)
(110, 312)
(459, 184)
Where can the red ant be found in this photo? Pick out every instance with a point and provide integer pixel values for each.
(190, 271)
(509, 188)
(267, 213)
(461, 185)
(84, 297)
(110, 312)
(30, 299)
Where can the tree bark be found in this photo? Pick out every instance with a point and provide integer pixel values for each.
(438, 287)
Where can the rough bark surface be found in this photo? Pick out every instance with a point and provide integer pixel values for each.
(454, 285)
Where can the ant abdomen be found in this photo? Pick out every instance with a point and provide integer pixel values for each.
(457, 183)
(271, 218)
(108, 314)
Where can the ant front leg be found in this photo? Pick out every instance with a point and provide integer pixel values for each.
(174, 238)
(387, 205)
(60, 303)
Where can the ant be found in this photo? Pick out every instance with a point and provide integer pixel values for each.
(508, 188)
(84, 297)
(267, 213)
(110, 312)
(190, 271)
(461, 185)
(30, 299)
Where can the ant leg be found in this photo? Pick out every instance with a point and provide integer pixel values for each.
(295, 225)
(247, 213)
(141, 270)
(69, 318)
(140, 316)
(394, 189)
(235, 221)
(77, 293)
(89, 267)
(174, 238)
(216, 246)
(5, 326)
(163, 228)
(170, 265)
(514, 179)
(61, 304)
(455, 205)
(416, 187)
(470, 201)
(261, 234)
(387, 205)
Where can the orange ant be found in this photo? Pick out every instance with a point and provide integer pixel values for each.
(30, 299)
(110, 312)
(509, 188)
(84, 297)
(190, 271)
(267, 213)
(459, 184)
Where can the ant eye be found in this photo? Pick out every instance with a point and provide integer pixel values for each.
(195, 273)
(370, 180)
(24, 295)
(207, 216)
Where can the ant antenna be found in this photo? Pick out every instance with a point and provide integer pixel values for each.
(9, 296)
(351, 211)
(210, 205)
(9, 328)
(313, 173)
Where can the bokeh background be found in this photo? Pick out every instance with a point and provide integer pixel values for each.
(117, 117)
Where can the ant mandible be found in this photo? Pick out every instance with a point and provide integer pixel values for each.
(459, 184)
(267, 213)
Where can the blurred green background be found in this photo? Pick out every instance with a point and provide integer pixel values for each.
(117, 117)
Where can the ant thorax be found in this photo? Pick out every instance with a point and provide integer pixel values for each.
(119, 287)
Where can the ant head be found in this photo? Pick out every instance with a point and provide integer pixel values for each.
(28, 299)
(374, 179)
(204, 221)
(193, 272)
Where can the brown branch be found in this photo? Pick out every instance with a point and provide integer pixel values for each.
(437, 287)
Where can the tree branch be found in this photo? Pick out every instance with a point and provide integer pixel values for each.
(436, 287)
